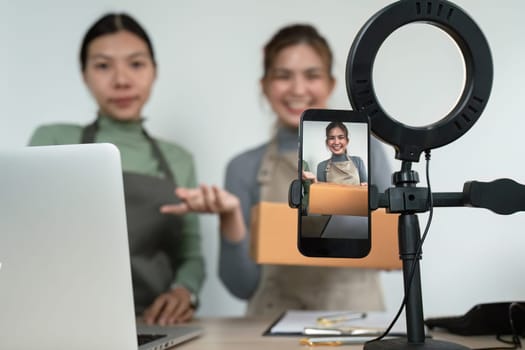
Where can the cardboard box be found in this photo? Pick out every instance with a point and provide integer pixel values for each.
(274, 240)
(338, 199)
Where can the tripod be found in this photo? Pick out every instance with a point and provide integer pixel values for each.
(502, 196)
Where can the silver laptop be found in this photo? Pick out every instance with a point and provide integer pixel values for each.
(65, 279)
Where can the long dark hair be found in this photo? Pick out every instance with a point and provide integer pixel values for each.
(112, 23)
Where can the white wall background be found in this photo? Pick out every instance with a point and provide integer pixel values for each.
(207, 98)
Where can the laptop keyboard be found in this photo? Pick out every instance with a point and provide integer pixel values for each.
(146, 338)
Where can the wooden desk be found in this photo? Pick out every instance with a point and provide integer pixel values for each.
(246, 333)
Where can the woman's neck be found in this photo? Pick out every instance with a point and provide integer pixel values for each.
(132, 125)
(133, 120)
(339, 157)
(287, 138)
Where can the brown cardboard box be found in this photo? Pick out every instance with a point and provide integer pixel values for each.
(274, 240)
(338, 199)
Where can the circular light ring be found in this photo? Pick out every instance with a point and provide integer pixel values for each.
(410, 141)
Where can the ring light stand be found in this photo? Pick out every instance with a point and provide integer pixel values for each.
(409, 142)
(503, 196)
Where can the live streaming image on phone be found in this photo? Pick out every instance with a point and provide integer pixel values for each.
(335, 176)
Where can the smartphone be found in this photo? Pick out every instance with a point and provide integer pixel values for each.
(334, 173)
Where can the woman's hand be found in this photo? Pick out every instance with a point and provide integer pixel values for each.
(307, 175)
(206, 199)
(170, 308)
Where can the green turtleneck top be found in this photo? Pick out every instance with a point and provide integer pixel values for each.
(137, 157)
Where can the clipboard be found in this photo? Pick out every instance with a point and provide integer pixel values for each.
(294, 322)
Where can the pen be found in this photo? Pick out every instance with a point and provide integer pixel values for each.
(353, 331)
(341, 317)
(335, 341)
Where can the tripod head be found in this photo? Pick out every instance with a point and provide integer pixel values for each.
(502, 196)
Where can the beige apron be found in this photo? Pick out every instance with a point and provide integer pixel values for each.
(284, 287)
(344, 172)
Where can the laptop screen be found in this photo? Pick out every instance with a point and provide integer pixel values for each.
(65, 279)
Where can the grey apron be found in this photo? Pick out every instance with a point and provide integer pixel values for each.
(344, 172)
(284, 287)
(154, 238)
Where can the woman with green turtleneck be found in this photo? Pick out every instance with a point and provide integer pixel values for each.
(119, 69)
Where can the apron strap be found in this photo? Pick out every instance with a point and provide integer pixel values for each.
(89, 132)
(157, 153)
(264, 175)
(88, 136)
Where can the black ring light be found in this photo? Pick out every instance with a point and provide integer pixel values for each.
(410, 141)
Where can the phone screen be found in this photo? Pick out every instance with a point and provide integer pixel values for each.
(334, 214)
